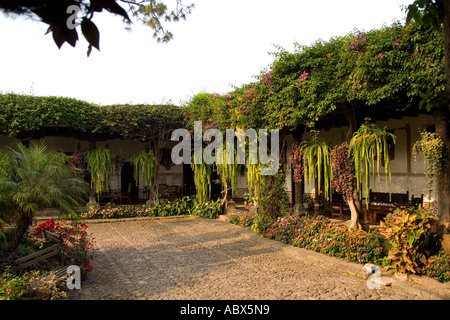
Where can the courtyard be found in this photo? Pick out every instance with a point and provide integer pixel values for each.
(192, 258)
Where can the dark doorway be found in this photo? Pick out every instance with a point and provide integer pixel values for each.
(129, 191)
(188, 180)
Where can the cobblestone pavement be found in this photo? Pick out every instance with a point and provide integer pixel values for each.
(191, 258)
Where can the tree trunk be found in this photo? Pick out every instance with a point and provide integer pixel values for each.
(22, 226)
(442, 119)
(354, 212)
(352, 198)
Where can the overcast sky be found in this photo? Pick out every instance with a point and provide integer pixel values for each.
(222, 43)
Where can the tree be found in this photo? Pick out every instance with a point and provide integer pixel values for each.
(36, 180)
(436, 14)
(64, 16)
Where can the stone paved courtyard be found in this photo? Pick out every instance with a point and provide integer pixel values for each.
(191, 258)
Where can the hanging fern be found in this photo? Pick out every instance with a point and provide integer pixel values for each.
(254, 181)
(370, 148)
(146, 162)
(317, 163)
(432, 149)
(202, 180)
(228, 171)
(100, 164)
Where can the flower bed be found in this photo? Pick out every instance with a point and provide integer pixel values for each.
(320, 235)
(181, 206)
(115, 212)
(438, 267)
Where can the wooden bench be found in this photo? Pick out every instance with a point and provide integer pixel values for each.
(52, 252)
(381, 204)
(339, 206)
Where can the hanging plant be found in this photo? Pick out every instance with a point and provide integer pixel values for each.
(254, 181)
(77, 160)
(202, 180)
(146, 162)
(297, 162)
(432, 148)
(317, 163)
(343, 170)
(370, 148)
(100, 164)
(228, 172)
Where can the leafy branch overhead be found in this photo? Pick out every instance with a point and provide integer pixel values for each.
(64, 16)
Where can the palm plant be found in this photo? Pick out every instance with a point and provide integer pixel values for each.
(35, 180)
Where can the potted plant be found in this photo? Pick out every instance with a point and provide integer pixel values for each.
(307, 200)
(250, 201)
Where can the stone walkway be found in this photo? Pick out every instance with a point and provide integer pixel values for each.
(191, 258)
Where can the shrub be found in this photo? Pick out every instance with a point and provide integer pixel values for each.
(29, 285)
(211, 209)
(408, 232)
(244, 219)
(173, 208)
(438, 267)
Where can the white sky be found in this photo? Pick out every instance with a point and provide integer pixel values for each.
(222, 43)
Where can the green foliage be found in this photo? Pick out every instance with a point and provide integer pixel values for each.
(146, 162)
(408, 234)
(275, 200)
(28, 285)
(431, 146)
(36, 180)
(317, 164)
(140, 122)
(100, 164)
(254, 180)
(24, 114)
(210, 210)
(228, 172)
(370, 148)
(202, 179)
(182, 206)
